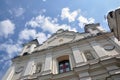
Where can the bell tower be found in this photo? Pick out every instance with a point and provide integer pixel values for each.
(29, 47)
(94, 29)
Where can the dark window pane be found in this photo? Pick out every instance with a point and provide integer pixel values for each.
(64, 66)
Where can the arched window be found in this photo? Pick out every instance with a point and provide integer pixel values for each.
(26, 53)
(63, 64)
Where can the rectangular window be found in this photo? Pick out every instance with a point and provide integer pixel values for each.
(64, 66)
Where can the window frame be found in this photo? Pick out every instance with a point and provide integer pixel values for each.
(64, 65)
(63, 58)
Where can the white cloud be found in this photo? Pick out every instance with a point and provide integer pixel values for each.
(41, 37)
(10, 48)
(44, 0)
(41, 11)
(17, 11)
(82, 21)
(47, 24)
(71, 16)
(27, 34)
(6, 28)
(2, 58)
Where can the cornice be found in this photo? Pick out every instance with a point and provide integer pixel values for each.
(73, 43)
(100, 64)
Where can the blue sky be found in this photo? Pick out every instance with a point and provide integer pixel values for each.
(24, 20)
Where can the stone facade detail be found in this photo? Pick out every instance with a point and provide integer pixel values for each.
(67, 55)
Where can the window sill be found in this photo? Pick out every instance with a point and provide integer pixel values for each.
(65, 74)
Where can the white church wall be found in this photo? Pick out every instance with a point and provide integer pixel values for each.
(80, 66)
(60, 53)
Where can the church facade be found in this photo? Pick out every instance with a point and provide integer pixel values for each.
(67, 55)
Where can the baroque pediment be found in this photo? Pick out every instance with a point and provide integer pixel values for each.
(60, 37)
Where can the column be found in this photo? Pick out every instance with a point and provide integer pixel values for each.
(77, 56)
(10, 73)
(30, 69)
(48, 64)
(55, 66)
(99, 50)
(84, 76)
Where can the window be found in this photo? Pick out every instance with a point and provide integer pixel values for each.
(89, 55)
(111, 14)
(109, 47)
(63, 64)
(26, 53)
(99, 33)
(38, 67)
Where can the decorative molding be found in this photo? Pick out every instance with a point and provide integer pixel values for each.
(19, 69)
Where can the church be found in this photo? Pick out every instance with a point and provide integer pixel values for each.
(67, 55)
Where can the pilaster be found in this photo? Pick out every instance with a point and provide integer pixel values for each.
(48, 64)
(77, 56)
(99, 50)
(30, 69)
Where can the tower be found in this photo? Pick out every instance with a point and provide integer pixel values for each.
(94, 29)
(113, 19)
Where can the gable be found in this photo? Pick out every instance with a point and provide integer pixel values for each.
(61, 38)
(56, 40)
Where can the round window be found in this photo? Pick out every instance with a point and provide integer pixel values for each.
(109, 47)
